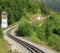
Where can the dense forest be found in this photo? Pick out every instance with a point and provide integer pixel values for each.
(17, 8)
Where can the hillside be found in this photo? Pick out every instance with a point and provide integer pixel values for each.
(47, 34)
(53, 4)
(18, 8)
(23, 11)
(4, 46)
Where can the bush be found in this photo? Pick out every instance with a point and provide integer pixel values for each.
(39, 30)
(56, 31)
(43, 32)
(24, 28)
(54, 41)
(44, 8)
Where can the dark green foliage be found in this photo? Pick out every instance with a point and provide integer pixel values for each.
(49, 31)
(56, 31)
(52, 30)
(54, 42)
(39, 30)
(33, 6)
(49, 26)
(24, 28)
(1, 34)
(17, 8)
(44, 8)
(55, 26)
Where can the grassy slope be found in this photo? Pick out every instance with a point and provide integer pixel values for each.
(36, 40)
(4, 46)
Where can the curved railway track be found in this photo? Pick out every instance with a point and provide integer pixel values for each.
(28, 46)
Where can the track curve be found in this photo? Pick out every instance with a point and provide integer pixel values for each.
(30, 47)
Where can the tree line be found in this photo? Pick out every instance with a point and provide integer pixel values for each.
(18, 8)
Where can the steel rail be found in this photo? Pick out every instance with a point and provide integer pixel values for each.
(28, 46)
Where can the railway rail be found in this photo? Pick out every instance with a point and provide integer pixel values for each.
(28, 46)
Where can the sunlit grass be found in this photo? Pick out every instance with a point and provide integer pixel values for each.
(4, 46)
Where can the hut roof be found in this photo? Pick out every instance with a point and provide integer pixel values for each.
(4, 13)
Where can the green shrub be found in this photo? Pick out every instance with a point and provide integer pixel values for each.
(24, 28)
(39, 30)
(54, 42)
(48, 31)
(44, 8)
(56, 31)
